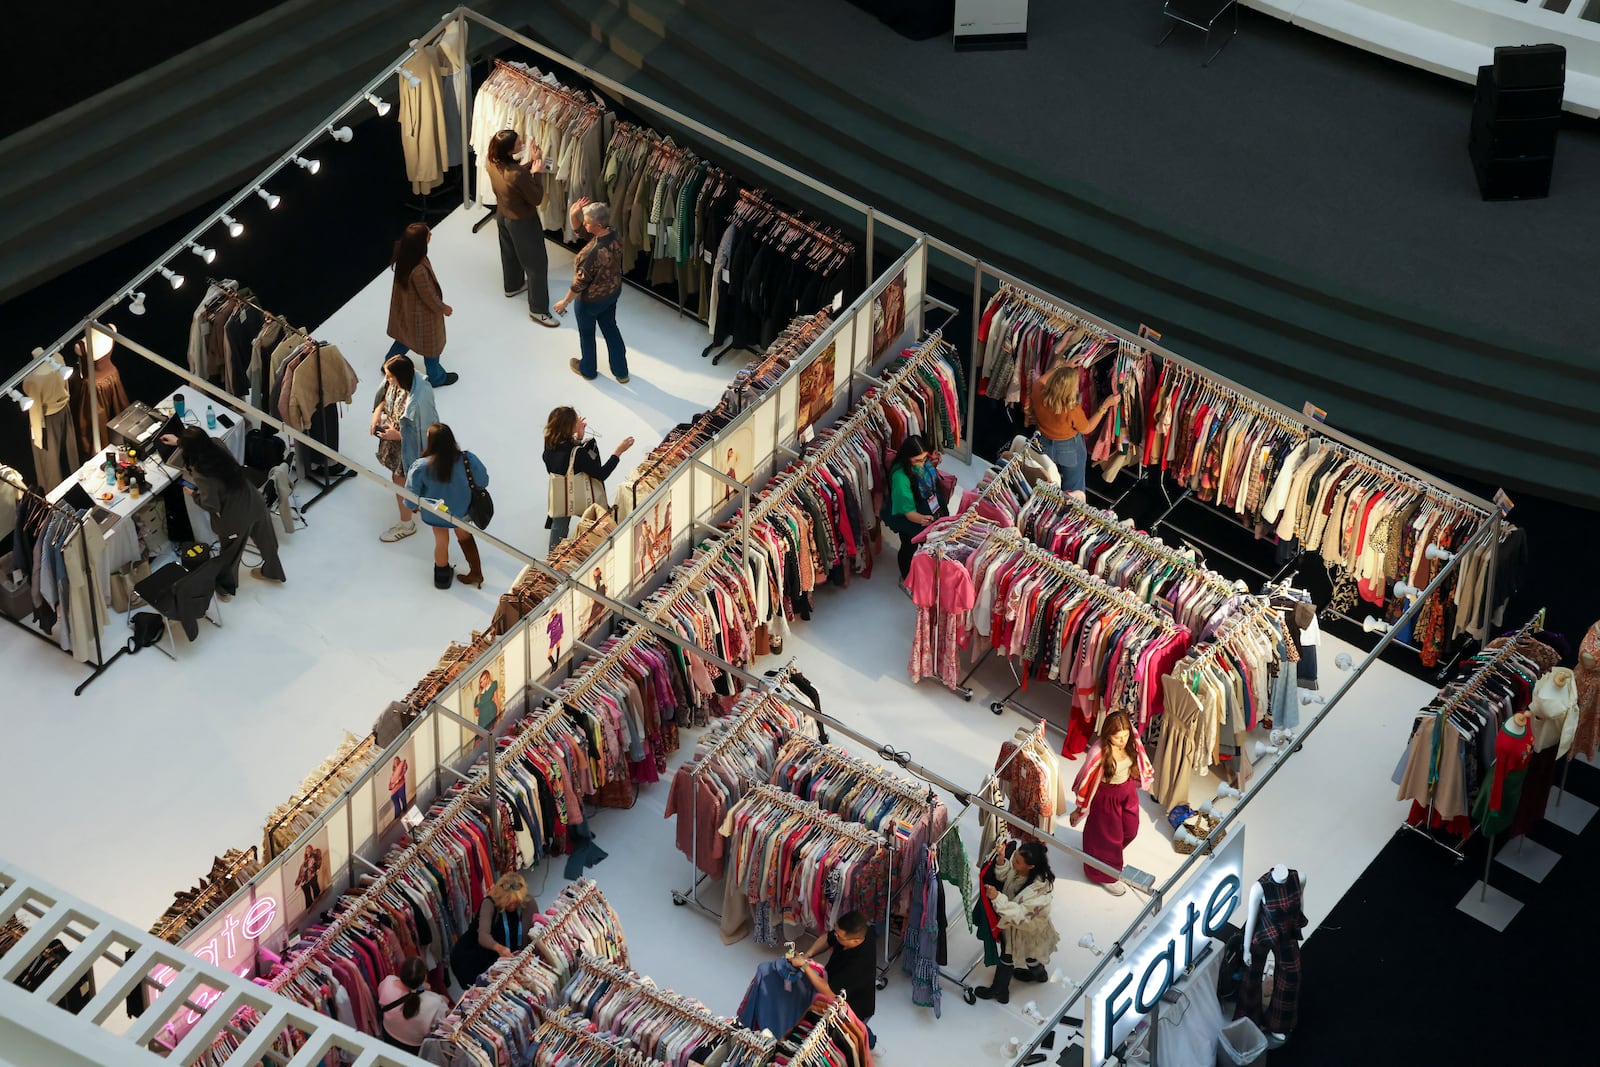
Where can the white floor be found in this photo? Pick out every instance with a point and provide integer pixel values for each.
(172, 763)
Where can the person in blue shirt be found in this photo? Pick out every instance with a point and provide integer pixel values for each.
(440, 474)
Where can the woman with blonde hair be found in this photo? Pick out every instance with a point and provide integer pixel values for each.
(501, 931)
(1107, 791)
(1063, 422)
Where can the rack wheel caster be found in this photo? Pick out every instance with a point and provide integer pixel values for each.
(679, 899)
(968, 995)
(997, 707)
(882, 982)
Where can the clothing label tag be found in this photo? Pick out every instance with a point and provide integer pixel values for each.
(1164, 605)
(1311, 411)
(838, 300)
(655, 229)
(709, 256)
(726, 279)
(1149, 334)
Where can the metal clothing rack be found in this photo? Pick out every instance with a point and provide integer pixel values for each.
(100, 663)
(640, 988)
(323, 487)
(809, 1053)
(1483, 673)
(582, 1047)
(362, 748)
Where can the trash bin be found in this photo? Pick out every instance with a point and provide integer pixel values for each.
(1241, 1042)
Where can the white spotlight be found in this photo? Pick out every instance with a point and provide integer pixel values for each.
(136, 302)
(380, 106)
(100, 342)
(410, 78)
(235, 227)
(1087, 941)
(209, 255)
(1401, 588)
(272, 199)
(54, 363)
(1343, 661)
(23, 402)
(1184, 837)
(1312, 698)
(311, 165)
(342, 134)
(1438, 552)
(1262, 750)
(1281, 737)
(173, 278)
(1374, 626)
(1225, 790)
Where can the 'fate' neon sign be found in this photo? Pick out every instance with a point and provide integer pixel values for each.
(1131, 989)
(228, 942)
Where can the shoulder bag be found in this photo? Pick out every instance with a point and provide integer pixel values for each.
(573, 493)
(480, 510)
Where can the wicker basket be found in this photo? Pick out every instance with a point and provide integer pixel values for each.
(1201, 826)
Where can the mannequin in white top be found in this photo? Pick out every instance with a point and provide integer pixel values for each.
(1554, 709)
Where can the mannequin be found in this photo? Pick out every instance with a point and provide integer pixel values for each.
(55, 447)
(1587, 676)
(108, 389)
(1496, 806)
(1274, 917)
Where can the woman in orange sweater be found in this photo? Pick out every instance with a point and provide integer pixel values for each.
(1063, 421)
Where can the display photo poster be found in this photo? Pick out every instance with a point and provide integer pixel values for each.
(483, 696)
(313, 866)
(395, 787)
(735, 456)
(888, 316)
(816, 388)
(653, 540)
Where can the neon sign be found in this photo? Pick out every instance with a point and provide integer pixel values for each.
(1131, 989)
(229, 942)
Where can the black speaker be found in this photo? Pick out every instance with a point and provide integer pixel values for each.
(1513, 179)
(1513, 134)
(1501, 103)
(1530, 66)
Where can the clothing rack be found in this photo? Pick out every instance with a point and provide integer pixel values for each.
(1399, 477)
(1094, 586)
(571, 1032)
(206, 899)
(99, 664)
(567, 904)
(1217, 390)
(1257, 614)
(345, 474)
(361, 749)
(1473, 686)
(1061, 316)
(753, 206)
(810, 1051)
(533, 78)
(677, 1004)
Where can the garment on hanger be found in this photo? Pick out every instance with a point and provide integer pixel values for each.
(424, 134)
(1031, 779)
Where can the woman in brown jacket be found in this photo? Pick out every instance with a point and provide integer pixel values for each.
(416, 306)
(518, 192)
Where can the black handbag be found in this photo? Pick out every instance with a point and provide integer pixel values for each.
(481, 508)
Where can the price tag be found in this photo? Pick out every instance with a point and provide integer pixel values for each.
(709, 256)
(838, 300)
(1311, 411)
(1164, 605)
(726, 279)
(1504, 500)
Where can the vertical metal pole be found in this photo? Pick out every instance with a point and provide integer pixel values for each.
(871, 238)
(350, 828)
(974, 364)
(1488, 862)
(494, 795)
(463, 96)
(94, 389)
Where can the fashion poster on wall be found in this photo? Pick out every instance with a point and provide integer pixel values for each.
(653, 540)
(816, 389)
(601, 578)
(888, 316)
(396, 787)
(736, 458)
(483, 699)
(556, 626)
(313, 869)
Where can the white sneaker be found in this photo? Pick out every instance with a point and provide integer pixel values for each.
(1116, 889)
(398, 531)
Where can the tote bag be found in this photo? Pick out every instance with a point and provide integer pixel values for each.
(573, 493)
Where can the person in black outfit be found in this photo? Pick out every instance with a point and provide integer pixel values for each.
(564, 431)
(852, 967)
(236, 507)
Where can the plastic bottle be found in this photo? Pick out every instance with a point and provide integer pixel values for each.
(211, 417)
(111, 470)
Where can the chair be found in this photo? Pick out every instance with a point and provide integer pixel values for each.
(1202, 15)
(183, 596)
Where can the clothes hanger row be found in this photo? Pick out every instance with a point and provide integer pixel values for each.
(810, 1052)
(1092, 584)
(763, 795)
(753, 708)
(533, 77)
(640, 988)
(1258, 617)
(1487, 670)
(1194, 384)
(1397, 477)
(882, 779)
(569, 1040)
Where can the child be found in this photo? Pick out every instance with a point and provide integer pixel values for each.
(852, 964)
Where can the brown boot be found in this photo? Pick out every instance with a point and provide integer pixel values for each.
(474, 577)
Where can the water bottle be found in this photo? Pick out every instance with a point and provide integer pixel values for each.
(177, 404)
(111, 469)
(211, 417)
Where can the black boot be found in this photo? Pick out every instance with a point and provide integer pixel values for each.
(1034, 972)
(998, 990)
(442, 577)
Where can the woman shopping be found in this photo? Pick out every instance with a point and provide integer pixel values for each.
(518, 192)
(501, 929)
(1014, 915)
(416, 305)
(237, 509)
(408, 1008)
(1107, 790)
(400, 421)
(1063, 422)
(446, 474)
(915, 497)
(577, 477)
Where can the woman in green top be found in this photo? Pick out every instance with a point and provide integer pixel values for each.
(488, 703)
(914, 496)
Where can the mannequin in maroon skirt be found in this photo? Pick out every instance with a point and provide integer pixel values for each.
(1107, 790)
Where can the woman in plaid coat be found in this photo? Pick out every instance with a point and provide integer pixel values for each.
(416, 305)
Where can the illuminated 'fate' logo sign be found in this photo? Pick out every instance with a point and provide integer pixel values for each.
(1132, 988)
(228, 943)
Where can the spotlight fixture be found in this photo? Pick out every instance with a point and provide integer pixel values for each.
(135, 301)
(1261, 750)
(342, 134)
(23, 402)
(173, 278)
(272, 199)
(235, 227)
(209, 255)
(1401, 588)
(1087, 941)
(305, 164)
(378, 105)
(1343, 661)
(100, 342)
(1438, 552)
(1225, 790)
(1374, 626)
(54, 363)
(1307, 699)
(410, 78)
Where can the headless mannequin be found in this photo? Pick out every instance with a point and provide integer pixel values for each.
(1253, 913)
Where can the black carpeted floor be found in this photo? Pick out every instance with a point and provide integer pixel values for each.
(1397, 975)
